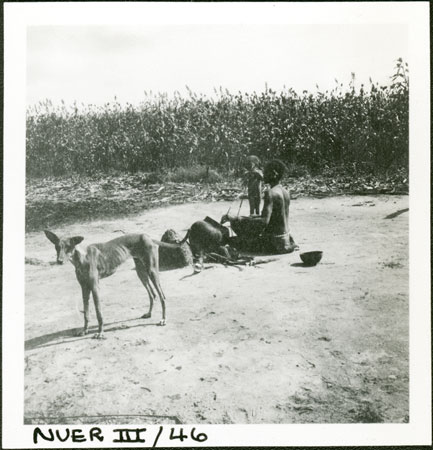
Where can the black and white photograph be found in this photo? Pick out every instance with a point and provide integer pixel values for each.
(216, 216)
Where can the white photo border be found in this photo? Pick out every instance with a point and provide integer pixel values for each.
(18, 16)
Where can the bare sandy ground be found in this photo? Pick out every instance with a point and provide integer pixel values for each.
(279, 343)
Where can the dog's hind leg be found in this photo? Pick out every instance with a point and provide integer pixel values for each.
(144, 278)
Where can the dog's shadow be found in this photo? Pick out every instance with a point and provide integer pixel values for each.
(72, 334)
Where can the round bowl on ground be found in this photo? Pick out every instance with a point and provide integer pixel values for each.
(311, 258)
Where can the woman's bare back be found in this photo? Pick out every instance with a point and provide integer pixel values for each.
(279, 220)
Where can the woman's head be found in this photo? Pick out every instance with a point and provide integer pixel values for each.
(274, 171)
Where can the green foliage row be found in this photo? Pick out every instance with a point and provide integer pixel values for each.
(361, 128)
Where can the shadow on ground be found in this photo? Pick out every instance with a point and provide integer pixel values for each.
(72, 334)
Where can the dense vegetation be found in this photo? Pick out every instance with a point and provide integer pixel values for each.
(363, 129)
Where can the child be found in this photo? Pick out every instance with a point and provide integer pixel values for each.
(268, 233)
(254, 181)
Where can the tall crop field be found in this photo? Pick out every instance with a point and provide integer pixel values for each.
(365, 128)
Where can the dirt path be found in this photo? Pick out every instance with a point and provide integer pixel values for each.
(280, 343)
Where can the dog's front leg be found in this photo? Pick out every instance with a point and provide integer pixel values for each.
(86, 295)
(97, 302)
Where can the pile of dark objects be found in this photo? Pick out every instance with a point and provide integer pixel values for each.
(208, 241)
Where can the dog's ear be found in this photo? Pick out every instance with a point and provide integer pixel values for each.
(52, 237)
(76, 240)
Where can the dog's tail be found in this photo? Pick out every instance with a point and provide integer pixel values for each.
(168, 245)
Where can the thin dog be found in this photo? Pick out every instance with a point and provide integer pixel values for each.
(99, 261)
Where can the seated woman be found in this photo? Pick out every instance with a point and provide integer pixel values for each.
(270, 232)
